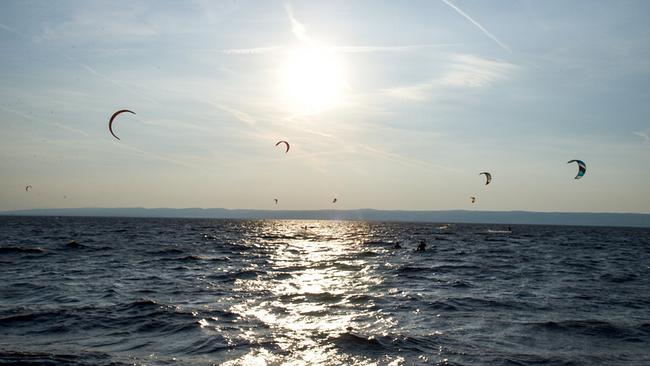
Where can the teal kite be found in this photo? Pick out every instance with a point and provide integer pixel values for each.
(582, 168)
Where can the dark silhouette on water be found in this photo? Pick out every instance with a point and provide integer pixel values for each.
(421, 247)
(397, 246)
(73, 244)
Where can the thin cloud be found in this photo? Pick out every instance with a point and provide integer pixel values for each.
(12, 30)
(402, 159)
(83, 65)
(159, 157)
(463, 71)
(642, 135)
(96, 22)
(405, 48)
(250, 51)
(239, 115)
(106, 78)
(40, 120)
(297, 28)
(479, 26)
(418, 92)
(475, 72)
(338, 49)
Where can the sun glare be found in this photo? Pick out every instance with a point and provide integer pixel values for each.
(313, 80)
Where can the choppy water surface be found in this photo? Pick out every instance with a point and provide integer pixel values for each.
(183, 292)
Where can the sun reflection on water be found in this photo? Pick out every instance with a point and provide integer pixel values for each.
(312, 295)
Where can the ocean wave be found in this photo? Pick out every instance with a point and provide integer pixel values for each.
(473, 303)
(21, 250)
(312, 297)
(166, 251)
(619, 277)
(9, 357)
(440, 305)
(597, 328)
(412, 269)
(374, 345)
(379, 243)
(354, 343)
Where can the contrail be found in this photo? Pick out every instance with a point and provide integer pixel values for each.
(11, 30)
(341, 49)
(33, 118)
(402, 159)
(249, 51)
(106, 78)
(404, 48)
(161, 157)
(239, 115)
(485, 31)
(79, 63)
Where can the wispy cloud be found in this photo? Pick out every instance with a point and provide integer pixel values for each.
(110, 80)
(475, 72)
(250, 51)
(402, 159)
(84, 66)
(40, 120)
(463, 71)
(479, 26)
(339, 49)
(159, 157)
(300, 32)
(644, 135)
(238, 114)
(297, 28)
(404, 48)
(12, 30)
(96, 22)
(417, 92)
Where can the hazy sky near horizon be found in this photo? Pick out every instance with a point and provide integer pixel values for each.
(387, 105)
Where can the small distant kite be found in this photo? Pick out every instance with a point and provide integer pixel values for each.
(472, 198)
(276, 200)
(335, 200)
(488, 177)
(582, 167)
(286, 143)
(110, 122)
(27, 188)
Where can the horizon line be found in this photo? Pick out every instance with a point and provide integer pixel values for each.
(597, 219)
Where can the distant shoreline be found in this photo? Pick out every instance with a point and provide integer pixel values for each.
(447, 216)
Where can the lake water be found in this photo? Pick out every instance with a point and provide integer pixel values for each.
(228, 292)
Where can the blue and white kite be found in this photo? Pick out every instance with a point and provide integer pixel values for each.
(582, 168)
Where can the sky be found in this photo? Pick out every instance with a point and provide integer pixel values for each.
(386, 105)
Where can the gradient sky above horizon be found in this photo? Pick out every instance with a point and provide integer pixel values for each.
(425, 95)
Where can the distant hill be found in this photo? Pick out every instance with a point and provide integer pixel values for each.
(455, 216)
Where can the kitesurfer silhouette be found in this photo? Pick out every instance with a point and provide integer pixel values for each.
(421, 247)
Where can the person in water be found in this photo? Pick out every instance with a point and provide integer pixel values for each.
(421, 247)
(397, 246)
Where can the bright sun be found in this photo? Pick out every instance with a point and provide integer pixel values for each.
(313, 80)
